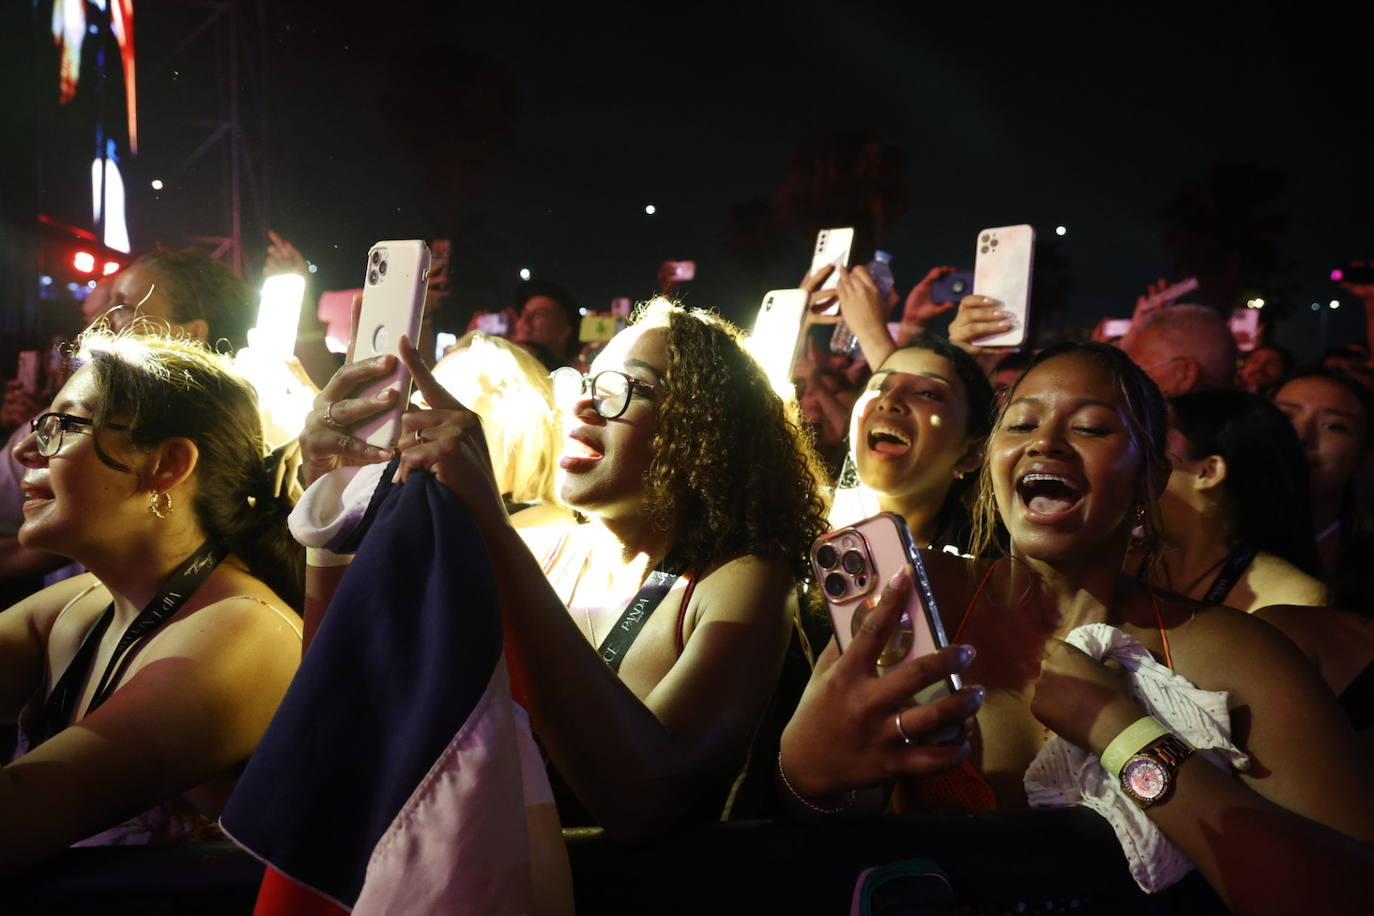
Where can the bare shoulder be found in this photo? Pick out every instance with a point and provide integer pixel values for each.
(1221, 648)
(742, 588)
(38, 612)
(1274, 580)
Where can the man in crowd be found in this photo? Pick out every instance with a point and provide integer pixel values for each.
(1183, 348)
(546, 315)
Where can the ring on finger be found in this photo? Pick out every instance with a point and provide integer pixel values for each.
(328, 418)
(420, 438)
(901, 732)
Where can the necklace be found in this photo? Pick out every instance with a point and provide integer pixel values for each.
(1205, 573)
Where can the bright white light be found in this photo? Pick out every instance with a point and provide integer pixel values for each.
(524, 273)
(311, 266)
(650, 209)
(109, 268)
(582, 312)
(107, 190)
(45, 280)
(1316, 306)
(1061, 230)
(1254, 304)
(279, 312)
(157, 184)
(90, 284)
(1335, 303)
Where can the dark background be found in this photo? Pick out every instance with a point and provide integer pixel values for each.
(535, 135)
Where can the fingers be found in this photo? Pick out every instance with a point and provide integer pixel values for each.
(980, 316)
(812, 281)
(878, 624)
(829, 655)
(435, 394)
(352, 377)
(904, 681)
(939, 719)
(355, 315)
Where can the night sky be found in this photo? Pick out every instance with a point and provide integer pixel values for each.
(555, 126)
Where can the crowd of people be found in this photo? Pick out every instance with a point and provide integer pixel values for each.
(1112, 531)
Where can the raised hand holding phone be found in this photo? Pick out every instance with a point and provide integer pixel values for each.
(1002, 271)
(393, 305)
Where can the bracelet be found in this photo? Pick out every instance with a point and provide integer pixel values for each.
(1133, 737)
(791, 790)
(323, 557)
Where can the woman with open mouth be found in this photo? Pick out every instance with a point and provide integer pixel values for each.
(1075, 462)
(142, 686)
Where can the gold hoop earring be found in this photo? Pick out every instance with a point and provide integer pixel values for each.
(159, 504)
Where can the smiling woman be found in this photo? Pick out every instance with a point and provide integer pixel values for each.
(142, 686)
(700, 499)
(1074, 463)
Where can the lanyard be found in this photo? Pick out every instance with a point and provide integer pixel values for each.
(1236, 563)
(617, 642)
(57, 711)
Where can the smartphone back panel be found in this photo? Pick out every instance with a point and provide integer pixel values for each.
(393, 305)
(777, 336)
(1002, 270)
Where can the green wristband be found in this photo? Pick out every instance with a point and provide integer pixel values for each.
(1132, 739)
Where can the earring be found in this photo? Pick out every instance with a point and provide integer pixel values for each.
(958, 475)
(1140, 514)
(159, 504)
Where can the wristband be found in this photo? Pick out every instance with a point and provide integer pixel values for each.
(1132, 738)
(791, 790)
(322, 557)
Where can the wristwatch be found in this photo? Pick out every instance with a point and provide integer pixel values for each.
(1148, 776)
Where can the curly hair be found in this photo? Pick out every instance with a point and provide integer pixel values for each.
(1146, 419)
(733, 473)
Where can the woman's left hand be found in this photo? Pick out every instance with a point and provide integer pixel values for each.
(1084, 701)
(447, 440)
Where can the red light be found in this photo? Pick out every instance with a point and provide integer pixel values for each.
(84, 261)
(110, 267)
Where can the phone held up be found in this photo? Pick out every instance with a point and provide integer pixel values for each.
(777, 335)
(833, 246)
(853, 564)
(1002, 271)
(393, 305)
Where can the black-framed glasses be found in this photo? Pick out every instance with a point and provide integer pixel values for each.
(50, 427)
(611, 389)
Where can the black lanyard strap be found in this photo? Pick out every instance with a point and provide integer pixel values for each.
(1237, 561)
(61, 702)
(617, 642)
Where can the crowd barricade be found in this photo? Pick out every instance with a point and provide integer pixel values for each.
(1064, 860)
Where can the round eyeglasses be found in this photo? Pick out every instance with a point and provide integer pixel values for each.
(611, 390)
(49, 428)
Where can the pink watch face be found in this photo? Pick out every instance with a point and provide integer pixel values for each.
(1145, 778)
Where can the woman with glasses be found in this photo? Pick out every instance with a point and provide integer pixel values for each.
(142, 686)
(650, 641)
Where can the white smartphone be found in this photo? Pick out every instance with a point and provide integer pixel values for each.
(833, 246)
(393, 305)
(853, 564)
(1002, 271)
(777, 335)
(1167, 295)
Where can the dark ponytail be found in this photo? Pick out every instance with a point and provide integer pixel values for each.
(162, 388)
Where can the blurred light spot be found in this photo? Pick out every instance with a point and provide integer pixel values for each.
(1061, 230)
(524, 273)
(157, 184)
(651, 209)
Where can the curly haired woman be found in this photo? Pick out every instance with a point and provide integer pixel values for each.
(701, 497)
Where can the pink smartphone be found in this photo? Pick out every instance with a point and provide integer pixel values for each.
(1002, 270)
(853, 564)
(393, 305)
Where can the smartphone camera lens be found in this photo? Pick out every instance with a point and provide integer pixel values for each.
(372, 276)
(958, 286)
(835, 585)
(381, 268)
(827, 557)
(376, 256)
(853, 562)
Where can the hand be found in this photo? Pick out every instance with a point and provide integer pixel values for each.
(844, 732)
(1149, 301)
(861, 303)
(812, 284)
(327, 445)
(978, 317)
(447, 440)
(19, 406)
(282, 257)
(920, 306)
(1084, 701)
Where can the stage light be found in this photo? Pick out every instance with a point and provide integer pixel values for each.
(1254, 303)
(311, 266)
(157, 184)
(109, 268)
(45, 280)
(1335, 303)
(582, 311)
(651, 209)
(1061, 230)
(1337, 275)
(1316, 306)
(84, 261)
(90, 284)
(524, 273)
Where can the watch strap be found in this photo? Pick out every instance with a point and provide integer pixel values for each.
(1133, 738)
(1167, 753)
